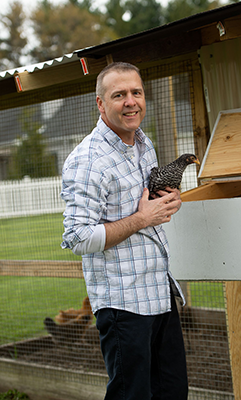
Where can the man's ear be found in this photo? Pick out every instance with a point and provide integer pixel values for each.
(100, 104)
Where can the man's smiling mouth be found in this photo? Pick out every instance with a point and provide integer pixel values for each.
(131, 114)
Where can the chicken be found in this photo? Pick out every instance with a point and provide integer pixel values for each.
(71, 325)
(72, 314)
(171, 174)
(70, 332)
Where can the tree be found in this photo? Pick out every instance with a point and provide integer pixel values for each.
(178, 9)
(64, 28)
(29, 156)
(144, 14)
(12, 40)
(133, 16)
(114, 17)
(83, 4)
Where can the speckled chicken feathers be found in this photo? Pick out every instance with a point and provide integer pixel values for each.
(171, 174)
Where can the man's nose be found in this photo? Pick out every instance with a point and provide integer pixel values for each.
(130, 100)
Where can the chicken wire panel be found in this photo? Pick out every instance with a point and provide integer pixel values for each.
(36, 139)
(48, 322)
(34, 142)
(170, 115)
(32, 306)
(205, 333)
(45, 316)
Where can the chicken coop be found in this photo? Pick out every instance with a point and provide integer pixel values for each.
(49, 345)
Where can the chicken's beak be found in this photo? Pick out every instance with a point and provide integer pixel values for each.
(197, 161)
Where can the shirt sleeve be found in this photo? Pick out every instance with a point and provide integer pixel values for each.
(93, 244)
(84, 193)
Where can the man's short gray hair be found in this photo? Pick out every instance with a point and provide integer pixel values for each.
(115, 66)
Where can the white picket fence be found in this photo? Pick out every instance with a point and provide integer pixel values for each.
(30, 197)
(42, 196)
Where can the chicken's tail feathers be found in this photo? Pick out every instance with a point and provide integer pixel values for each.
(50, 325)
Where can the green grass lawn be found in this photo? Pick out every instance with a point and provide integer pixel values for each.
(26, 301)
(33, 238)
(207, 294)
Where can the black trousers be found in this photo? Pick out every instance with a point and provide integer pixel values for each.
(144, 355)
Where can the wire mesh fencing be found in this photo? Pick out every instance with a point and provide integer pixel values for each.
(205, 332)
(45, 317)
(47, 321)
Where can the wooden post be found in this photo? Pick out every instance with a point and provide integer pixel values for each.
(233, 295)
(173, 114)
(200, 120)
(109, 59)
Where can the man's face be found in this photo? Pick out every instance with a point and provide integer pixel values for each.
(123, 106)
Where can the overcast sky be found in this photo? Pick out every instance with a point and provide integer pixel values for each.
(30, 4)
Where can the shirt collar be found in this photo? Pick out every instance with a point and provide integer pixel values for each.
(113, 139)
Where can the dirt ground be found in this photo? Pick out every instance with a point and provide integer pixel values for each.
(207, 355)
(208, 360)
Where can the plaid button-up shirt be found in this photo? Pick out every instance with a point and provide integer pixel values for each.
(102, 183)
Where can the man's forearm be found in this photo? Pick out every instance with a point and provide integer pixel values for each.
(118, 231)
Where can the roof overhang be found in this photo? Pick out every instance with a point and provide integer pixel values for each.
(179, 27)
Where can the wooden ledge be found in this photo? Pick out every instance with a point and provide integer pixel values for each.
(214, 190)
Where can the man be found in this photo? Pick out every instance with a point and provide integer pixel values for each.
(117, 230)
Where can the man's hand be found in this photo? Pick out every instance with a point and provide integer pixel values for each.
(150, 213)
(160, 209)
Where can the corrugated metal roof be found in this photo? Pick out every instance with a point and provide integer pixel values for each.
(67, 58)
